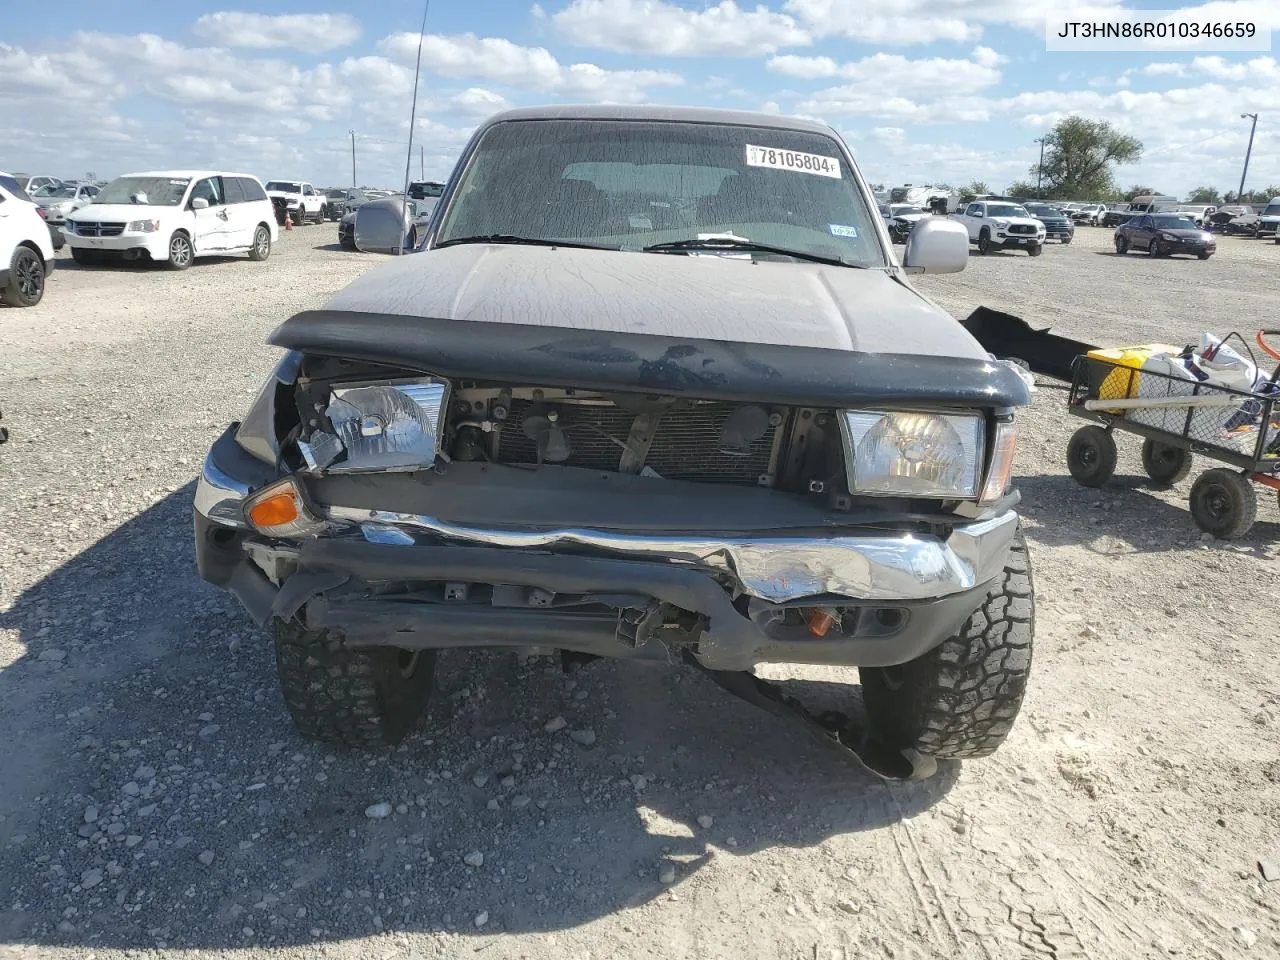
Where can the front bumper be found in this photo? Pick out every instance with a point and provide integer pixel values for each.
(156, 244)
(595, 590)
(1059, 231)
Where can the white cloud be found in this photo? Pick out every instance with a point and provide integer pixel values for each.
(889, 72)
(660, 28)
(301, 31)
(498, 60)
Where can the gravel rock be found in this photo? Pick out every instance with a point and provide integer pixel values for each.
(1244, 936)
(205, 857)
(90, 878)
(90, 814)
(555, 724)
(50, 655)
(131, 789)
(474, 859)
(667, 873)
(584, 737)
(481, 919)
(705, 821)
(378, 811)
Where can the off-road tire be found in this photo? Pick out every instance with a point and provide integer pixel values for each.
(1122, 245)
(323, 215)
(261, 248)
(1035, 249)
(1223, 503)
(959, 700)
(984, 241)
(364, 698)
(1165, 464)
(26, 278)
(1091, 456)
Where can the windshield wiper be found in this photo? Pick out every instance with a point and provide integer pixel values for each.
(747, 246)
(526, 241)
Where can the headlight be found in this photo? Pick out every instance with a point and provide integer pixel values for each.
(913, 454)
(382, 427)
(1000, 223)
(142, 226)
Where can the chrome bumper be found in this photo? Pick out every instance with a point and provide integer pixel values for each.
(777, 569)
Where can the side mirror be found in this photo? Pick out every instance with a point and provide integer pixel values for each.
(937, 245)
(199, 203)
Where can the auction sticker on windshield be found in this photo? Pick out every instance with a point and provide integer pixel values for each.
(775, 159)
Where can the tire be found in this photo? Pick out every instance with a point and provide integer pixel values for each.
(959, 700)
(84, 257)
(356, 698)
(261, 248)
(1066, 242)
(1165, 464)
(1155, 249)
(1205, 256)
(1223, 503)
(1035, 249)
(323, 215)
(413, 239)
(26, 278)
(1091, 456)
(984, 241)
(181, 253)
(1122, 245)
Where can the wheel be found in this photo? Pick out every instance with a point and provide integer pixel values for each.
(1205, 256)
(413, 239)
(323, 215)
(356, 698)
(960, 699)
(1166, 465)
(1091, 456)
(347, 241)
(1223, 503)
(83, 257)
(1122, 245)
(984, 241)
(1066, 241)
(1035, 249)
(1155, 249)
(181, 253)
(261, 248)
(26, 278)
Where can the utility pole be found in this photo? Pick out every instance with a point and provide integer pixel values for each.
(1040, 165)
(1245, 172)
(422, 162)
(353, 159)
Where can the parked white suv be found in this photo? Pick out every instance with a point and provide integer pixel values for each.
(26, 250)
(994, 224)
(173, 217)
(299, 199)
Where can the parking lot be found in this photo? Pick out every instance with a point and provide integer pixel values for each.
(155, 795)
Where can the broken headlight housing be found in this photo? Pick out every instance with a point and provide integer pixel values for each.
(913, 453)
(386, 426)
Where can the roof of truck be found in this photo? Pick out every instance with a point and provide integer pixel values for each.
(660, 113)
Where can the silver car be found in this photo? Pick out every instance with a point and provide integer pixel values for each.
(390, 225)
(60, 200)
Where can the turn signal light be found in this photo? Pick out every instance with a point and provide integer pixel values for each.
(821, 619)
(281, 511)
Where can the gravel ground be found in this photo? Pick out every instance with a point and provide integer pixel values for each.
(154, 798)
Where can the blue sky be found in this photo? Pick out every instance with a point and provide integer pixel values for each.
(923, 90)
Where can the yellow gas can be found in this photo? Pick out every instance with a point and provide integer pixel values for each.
(1116, 379)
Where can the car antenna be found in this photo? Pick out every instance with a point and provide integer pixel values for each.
(413, 113)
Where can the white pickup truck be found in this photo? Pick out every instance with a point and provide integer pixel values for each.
(299, 199)
(995, 224)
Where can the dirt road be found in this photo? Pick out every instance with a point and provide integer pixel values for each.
(155, 802)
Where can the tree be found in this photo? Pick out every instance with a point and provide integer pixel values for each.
(1023, 190)
(1204, 195)
(1137, 190)
(975, 189)
(1080, 157)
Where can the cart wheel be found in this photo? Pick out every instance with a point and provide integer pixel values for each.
(1165, 464)
(1223, 503)
(1091, 456)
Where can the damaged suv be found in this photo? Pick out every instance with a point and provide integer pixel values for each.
(654, 388)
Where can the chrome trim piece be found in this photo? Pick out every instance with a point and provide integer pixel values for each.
(886, 566)
(219, 495)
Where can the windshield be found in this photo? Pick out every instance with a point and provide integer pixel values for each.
(423, 191)
(1038, 208)
(898, 209)
(1175, 223)
(284, 186)
(55, 191)
(156, 191)
(1005, 210)
(1272, 210)
(336, 194)
(632, 184)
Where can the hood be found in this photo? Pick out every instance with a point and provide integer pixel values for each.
(911, 217)
(123, 212)
(284, 194)
(1181, 232)
(703, 297)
